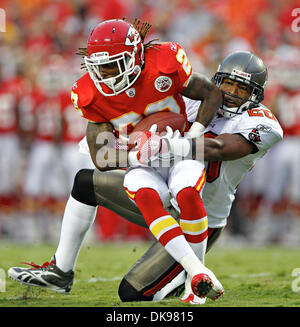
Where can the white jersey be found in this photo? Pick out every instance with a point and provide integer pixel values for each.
(258, 126)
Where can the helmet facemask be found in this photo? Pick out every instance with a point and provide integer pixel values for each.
(254, 99)
(129, 70)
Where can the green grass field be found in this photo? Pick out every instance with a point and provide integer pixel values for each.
(252, 277)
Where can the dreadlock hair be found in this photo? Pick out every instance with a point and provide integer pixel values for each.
(142, 28)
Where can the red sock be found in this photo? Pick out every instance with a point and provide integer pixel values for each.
(193, 219)
(190, 204)
(162, 225)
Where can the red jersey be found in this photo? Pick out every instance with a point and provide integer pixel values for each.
(10, 93)
(48, 118)
(288, 107)
(74, 127)
(42, 114)
(165, 74)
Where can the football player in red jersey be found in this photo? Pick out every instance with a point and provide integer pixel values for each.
(121, 77)
(10, 95)
(40, 115)
(127, 81)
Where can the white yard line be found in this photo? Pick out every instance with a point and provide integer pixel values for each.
(262, 274)
(102, 279)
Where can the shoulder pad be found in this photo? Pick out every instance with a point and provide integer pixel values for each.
(262, 118)
(166, 57)
(85, 90)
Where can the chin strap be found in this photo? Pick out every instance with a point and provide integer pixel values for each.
(230, 112)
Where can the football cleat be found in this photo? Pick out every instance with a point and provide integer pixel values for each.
(203, 286)
(48, 276)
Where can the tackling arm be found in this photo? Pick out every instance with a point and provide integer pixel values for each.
(222, 148)
(233, 146)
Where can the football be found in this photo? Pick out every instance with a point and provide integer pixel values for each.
(162, 119)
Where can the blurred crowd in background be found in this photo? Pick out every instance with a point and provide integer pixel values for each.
(40, 129)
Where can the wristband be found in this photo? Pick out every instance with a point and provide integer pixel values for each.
(196, 130)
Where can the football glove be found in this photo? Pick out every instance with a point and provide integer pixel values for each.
(148, 145)
(177, 145)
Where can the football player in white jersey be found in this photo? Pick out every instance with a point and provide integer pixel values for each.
(247, 130)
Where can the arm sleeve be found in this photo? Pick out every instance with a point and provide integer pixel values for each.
(261, 132)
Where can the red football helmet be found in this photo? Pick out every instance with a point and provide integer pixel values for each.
(115, 41)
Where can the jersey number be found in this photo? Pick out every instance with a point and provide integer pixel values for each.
(74, 99)
(132, 118)
(261, 113)
(182, 59)
(214, 167)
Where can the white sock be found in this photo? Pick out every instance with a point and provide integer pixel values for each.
(199, 249)
(77, 220)
(192, 264)
(178, 247)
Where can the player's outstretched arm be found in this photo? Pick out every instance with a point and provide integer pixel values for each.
(234, 146)
(201, 88)
(221, 148)
(101, 141)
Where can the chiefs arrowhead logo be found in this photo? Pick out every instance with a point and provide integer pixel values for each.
(133, 37)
